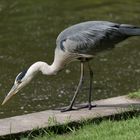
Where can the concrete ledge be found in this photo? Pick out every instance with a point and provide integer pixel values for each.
(43, 119)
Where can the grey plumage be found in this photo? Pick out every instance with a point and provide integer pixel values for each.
(94, 36)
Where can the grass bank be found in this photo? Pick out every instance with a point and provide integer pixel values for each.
(124, 129)
(105, 130)
(123, 126)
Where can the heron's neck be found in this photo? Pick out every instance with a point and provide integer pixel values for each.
(44, 68)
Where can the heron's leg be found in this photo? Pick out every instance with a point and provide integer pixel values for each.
(90, 87)
(77, 90)
(89, 105)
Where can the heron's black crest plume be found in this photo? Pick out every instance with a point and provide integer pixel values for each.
(21, 75)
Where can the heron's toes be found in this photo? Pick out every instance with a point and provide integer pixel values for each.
(67, 109)
(89, 106)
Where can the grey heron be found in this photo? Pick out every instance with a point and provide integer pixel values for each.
(79, 42)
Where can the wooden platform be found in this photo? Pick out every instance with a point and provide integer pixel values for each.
(43, 119)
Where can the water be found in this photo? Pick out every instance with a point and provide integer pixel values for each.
(28, 30)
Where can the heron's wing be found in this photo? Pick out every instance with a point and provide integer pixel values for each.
(92, 40)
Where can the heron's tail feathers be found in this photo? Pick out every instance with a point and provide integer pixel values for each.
(130, 30)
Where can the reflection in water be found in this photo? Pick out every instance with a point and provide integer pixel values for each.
(28, 30)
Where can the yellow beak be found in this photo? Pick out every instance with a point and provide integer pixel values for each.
(12, 92)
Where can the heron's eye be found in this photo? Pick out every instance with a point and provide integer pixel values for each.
(20, 76)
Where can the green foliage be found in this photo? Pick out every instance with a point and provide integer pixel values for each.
(134, 95)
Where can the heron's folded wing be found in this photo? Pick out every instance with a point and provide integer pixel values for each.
(92, 40)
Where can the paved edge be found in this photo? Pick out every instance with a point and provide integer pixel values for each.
(44, 119)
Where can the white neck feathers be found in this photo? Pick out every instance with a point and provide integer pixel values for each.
(44, 68)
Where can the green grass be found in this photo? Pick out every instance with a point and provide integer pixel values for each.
(134, 95)
(105, 130)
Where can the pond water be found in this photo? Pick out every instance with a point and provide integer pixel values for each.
(28, 30)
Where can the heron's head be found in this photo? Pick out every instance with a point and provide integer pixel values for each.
(22, 79)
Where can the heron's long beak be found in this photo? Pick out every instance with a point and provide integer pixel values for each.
(12, 92)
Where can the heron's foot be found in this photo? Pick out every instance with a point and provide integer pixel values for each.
(89, 106)
(69, 108)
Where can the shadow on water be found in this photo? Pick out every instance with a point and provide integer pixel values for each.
(28, 30)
